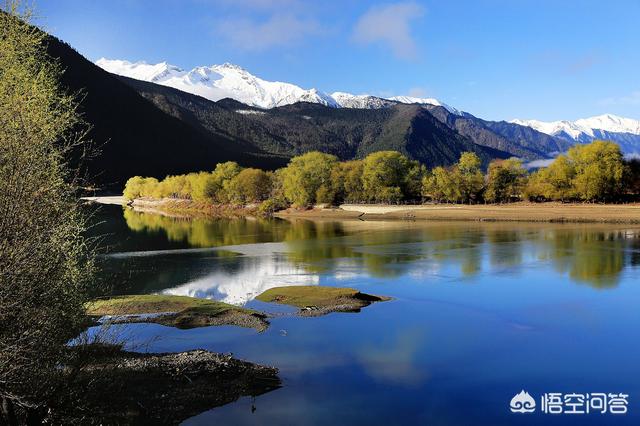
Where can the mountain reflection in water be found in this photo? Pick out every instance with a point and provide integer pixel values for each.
(233, 262)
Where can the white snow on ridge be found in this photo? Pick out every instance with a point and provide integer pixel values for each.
(347, 100)
(231, 81)
(217, 82)
(584, 129)
(429, 101)
(611, 123)
(557, 128)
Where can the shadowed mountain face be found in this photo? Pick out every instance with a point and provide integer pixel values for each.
(294, 129)
(520, 141)
(137, 138)
(146, 129)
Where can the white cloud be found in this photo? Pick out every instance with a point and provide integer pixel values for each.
(417, 92)
(390, 26)
(261, 4)
(632, 98)
(276, 31)
(536, 164)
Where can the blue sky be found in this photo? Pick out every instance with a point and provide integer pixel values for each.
(498, 59)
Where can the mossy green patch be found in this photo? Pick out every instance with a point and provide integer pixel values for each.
(318, 300)
(177, 311)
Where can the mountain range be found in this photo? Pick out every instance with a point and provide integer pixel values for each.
(217, 82)
(155, 120)
(624, 131)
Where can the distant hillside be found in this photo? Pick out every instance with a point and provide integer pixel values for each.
(301, 127)
(520, 141)
(152, 130)
(135, 137)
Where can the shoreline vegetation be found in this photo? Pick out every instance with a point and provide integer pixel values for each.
(590, 183)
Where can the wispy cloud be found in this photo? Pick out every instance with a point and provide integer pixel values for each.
(584, 63)
(568, 63)
(417, 92)
(632, 98)
(262, 4)
(390, 26)
(277, 30)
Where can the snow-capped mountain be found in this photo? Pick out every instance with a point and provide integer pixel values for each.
(231, 81)
(429, 101)
(347, 100)
(217, 82)
(624, 131)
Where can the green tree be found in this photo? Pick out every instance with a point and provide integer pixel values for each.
(346, 181)
(389, 176)
(44, 261)
(441, 185)
(305, 175)
(554, 182)
(599, 170)
(469, 176)
(249, 186)
(506, 180)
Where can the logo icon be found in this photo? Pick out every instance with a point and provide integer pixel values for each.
(522, 403)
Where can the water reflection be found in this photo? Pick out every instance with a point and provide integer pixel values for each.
(308, 250)
(479, 311)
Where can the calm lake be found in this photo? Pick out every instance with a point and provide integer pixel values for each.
(480, 311)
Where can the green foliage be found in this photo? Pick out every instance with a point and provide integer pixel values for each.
(305, 175)
(440, 185)
(587, 172)
(593, 172)
(389, 176)
(346, 181)
(599, 170)
(269, 207)
(45, 264)
(463, 182)
(248, 186)
(505, 180)
(469, 177)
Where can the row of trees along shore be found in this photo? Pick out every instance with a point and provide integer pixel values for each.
(593, 172)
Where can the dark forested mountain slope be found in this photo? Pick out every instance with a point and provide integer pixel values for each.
(345, 132)
(137, 138)
(520, 141)
(152, 130)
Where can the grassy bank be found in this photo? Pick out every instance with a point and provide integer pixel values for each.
(318, 300)
(175, 311)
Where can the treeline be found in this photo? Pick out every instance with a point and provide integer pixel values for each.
(593, 172)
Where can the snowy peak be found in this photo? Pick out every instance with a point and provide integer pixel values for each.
(216, 82)
(584, 129)
(347, 100)
(611, 123)
(565, 129)
(140, 70)
(428, 101)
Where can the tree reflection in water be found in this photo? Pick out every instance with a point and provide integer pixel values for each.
(594, 255)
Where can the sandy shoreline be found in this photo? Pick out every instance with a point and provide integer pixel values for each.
(110, 199)
(515, 212)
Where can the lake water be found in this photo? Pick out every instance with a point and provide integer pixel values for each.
(479, 313)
